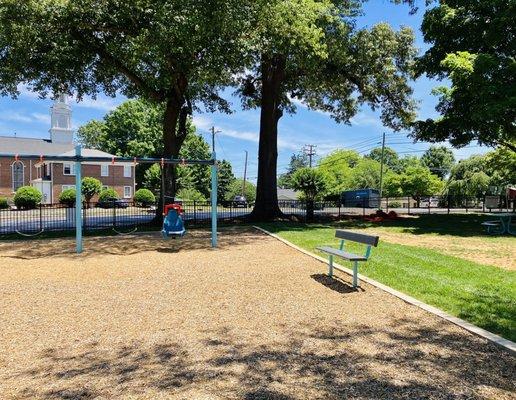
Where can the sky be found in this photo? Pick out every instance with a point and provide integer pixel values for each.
(29, 116)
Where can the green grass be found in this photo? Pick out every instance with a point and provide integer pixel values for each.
(481, 294)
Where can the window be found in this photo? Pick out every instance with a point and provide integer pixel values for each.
(68, 169)
(66, 187)
(128, 192)
(104, 170)
(127, 171)
(18, 175)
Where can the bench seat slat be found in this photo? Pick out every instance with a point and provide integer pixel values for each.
(491, 223)
(341, 253)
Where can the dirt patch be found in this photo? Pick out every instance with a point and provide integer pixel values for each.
(136, 317)
(499, 253)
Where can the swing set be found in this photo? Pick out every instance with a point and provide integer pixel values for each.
(173, 225)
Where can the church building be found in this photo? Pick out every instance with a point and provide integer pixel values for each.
(52, 177)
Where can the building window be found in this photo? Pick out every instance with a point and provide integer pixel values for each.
(104, 170)
(66, 187)
(127, 171)
(128, 192)
(68, 169)
(18, 175)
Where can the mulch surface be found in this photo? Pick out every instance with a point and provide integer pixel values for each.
(140, 318)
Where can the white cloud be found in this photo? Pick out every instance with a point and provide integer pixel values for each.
(362, 119)
(39, 117)
(14, 117)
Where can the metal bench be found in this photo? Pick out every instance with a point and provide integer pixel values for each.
(493, 227)
(368, 240)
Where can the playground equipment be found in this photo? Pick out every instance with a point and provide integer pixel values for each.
(78, 159)
(172, 222)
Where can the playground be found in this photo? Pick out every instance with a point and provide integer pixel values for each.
(138, 317)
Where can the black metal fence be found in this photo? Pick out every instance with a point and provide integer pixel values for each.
(124, 216)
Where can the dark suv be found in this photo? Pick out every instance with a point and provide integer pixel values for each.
(240, 201)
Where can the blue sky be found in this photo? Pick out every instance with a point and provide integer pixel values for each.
(29, 116)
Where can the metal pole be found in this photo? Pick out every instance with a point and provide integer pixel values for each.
(381, 170)
(245, 174)
(214, 213)
(78, 203)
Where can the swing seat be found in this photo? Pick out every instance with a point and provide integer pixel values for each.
(173, 225)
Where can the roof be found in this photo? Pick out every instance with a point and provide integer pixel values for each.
(287, 194)
(32, 146)
(27, 146)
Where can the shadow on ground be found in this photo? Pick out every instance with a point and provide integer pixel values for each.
(463, 225)
(126, 245)
(335, 363)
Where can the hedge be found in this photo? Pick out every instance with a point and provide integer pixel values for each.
(27, 197)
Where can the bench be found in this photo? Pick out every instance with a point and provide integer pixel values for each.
(493, 227)
(361, 238)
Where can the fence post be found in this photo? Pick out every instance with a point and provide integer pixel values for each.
(339, 209)
(429, 197)
(448, 201)
(40, 217)
(195, 212)
(114, 214)
(363, 208)
(386, 204)
(484, 204)
(466, 204)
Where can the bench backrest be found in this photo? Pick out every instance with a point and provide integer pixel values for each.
(370, 240)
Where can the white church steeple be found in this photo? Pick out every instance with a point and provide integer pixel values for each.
(61, 121)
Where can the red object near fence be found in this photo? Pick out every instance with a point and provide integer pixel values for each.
(173, 206)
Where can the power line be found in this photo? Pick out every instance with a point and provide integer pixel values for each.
(309, 150)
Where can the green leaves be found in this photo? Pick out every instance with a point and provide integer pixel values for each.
(312, 182)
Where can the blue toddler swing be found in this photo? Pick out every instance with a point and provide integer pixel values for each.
(173, 225)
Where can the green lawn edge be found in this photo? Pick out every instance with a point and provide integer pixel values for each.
(481, 294)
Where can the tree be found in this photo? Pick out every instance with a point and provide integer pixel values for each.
(390, 158)
(225, 179)
(439, 159)
(311, 51)
(312, 183)
(366, 175)
(468, 177)
(501, 167)
(235, 189)
(297, 161)
(418, 181)
(174, 53)
(338, 168)
(473, 47)
(89, 188)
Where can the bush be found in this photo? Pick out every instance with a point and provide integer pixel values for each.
(394, 204)
(67, 197)
(107, 195)
(90, 187)
(190, 195)
(3, 203)
(27, 197)
(144, 197)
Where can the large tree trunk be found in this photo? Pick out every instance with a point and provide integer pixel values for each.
(273, 73)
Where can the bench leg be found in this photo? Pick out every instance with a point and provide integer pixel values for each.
(330, 266)
(355, 274)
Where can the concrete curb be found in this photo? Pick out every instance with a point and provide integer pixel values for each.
(507, 344)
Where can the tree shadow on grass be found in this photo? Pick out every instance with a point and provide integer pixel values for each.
(462, 225)
(404, 359)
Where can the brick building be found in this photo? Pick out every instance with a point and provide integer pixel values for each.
(52, 177)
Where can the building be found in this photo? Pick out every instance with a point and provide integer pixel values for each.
(52, 177)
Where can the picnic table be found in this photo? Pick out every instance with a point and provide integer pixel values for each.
(501, 225)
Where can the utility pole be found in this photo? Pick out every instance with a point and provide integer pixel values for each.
(381, 169)
(309, 150)
(245, 174)
(213, 139)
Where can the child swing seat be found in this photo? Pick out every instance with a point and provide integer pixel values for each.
(173, 223)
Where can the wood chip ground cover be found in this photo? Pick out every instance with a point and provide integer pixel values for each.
(136, 317)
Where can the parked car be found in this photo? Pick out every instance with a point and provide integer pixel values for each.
(240, 201)
(429, 202)
(116, 203)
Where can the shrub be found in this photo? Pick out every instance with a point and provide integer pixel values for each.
(108, 194)
(394, 204)
(67, 197)
(3, 203)
(144, 197)
(190, 195)
(90, 187)
(27, 197)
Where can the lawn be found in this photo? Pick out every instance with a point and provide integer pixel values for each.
(484, 295)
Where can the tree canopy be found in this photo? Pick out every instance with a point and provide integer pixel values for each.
(472, 45)
(439, 159)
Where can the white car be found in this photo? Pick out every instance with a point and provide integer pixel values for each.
(434, 202)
